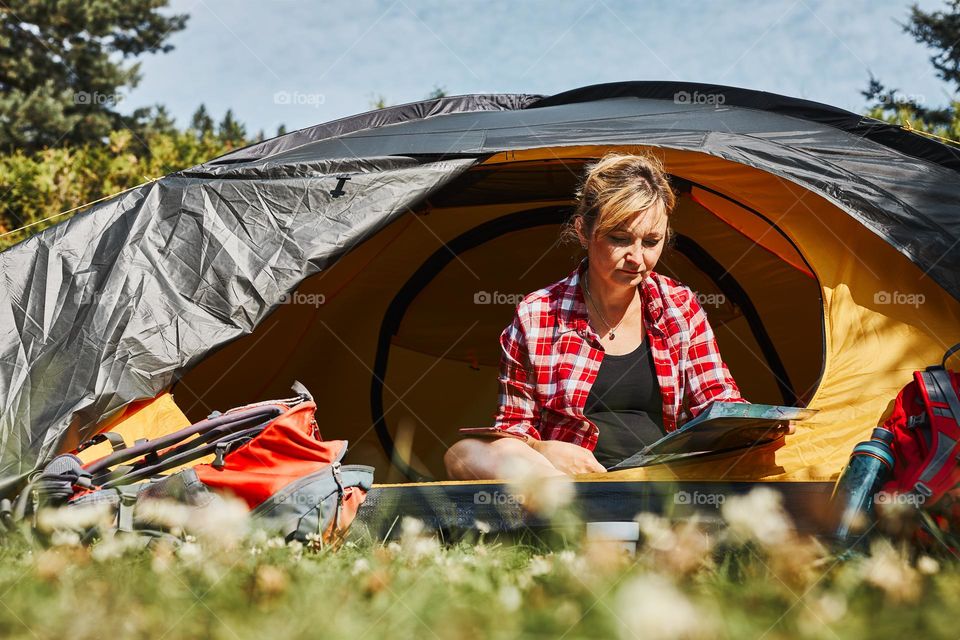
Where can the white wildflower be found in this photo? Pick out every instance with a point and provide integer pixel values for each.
(190, 553)
(414, 541)
(222, 523)
(889, 570)
(116, 546)
(258, 537)
(166, 514)
(927, 565)
(657, 532)
(296, 549)
(540, 566)
(510, 597)
(75, 518)
(361, 565)
(410, 527)
(831, 607)
(63, 538)
(758, 516)
(650, 606)
(539, 494)
(820, 613)
(567, 557)
(276, 542)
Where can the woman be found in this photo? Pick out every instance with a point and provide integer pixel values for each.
(613, 356)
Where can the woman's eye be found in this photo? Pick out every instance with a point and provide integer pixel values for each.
(620, 239)
(651, 242)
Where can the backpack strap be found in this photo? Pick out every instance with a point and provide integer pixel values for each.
(943, 406)
(128, 500)
(952, 350)
(115, 439)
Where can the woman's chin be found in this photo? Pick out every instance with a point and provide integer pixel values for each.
(630, 278)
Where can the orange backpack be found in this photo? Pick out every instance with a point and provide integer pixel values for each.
(268, 454)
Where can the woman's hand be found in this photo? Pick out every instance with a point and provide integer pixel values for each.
(568, 457)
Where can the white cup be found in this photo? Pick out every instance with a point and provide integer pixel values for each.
(623, 534)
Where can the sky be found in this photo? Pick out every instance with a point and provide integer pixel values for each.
(301, 63)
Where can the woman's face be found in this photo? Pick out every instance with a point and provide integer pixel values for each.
(625, 256)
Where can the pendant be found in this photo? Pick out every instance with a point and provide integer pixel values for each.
(612, 335)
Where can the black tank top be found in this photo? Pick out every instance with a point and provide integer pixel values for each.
(626, 405)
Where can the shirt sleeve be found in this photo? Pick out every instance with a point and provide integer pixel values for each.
(518, 401)
(707, 378)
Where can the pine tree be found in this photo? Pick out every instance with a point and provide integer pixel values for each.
(201, 122)
(63, 68)
(231, 132)
(940, 31)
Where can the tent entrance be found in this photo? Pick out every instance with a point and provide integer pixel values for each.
(398, 341)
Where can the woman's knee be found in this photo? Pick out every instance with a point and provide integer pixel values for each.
(459, 458)
(473, 459)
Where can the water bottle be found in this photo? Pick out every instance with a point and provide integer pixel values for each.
(871, 465)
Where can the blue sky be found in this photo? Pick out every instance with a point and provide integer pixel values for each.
(302, 63)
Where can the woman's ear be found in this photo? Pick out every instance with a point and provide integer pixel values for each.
(578, 225)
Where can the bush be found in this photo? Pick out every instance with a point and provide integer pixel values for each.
(40, 185)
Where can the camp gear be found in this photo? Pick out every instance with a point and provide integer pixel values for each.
(268, 454)
(912, 459)
(870, 467)
(722, 427)
(809, 233)
(926, 434)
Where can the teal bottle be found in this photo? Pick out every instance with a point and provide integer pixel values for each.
(871, 465)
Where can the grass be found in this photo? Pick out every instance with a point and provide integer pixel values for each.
(754, 579)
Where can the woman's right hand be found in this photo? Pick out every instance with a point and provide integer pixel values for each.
(568, 457)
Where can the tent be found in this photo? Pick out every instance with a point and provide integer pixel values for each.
(376, 259)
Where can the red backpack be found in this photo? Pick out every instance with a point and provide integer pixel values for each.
(926, 434)
(926, 449)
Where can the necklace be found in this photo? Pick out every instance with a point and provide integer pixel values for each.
(613, 329)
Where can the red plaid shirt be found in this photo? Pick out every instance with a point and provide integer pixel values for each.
(551, 356)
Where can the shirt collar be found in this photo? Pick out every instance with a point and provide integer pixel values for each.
(572, 312)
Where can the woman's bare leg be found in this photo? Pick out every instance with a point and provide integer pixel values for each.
(476, 459)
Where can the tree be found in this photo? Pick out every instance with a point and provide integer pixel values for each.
(438, 92)
(201, 122)
(940, 31)
(63, 67)
(231, 132)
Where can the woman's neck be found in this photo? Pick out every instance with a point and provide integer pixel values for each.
(614, 301)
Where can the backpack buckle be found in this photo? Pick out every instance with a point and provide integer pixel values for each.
(220, 455)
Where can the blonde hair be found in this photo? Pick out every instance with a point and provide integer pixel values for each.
(615, 188)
